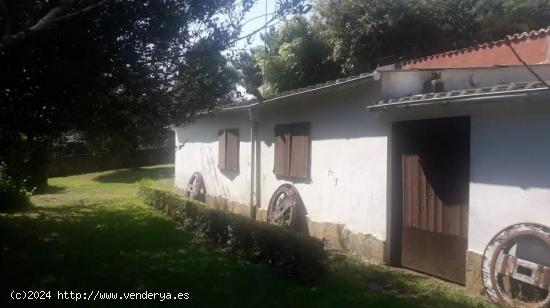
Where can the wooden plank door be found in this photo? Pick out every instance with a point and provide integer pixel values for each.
(435, 177)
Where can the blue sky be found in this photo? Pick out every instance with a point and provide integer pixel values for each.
(257, 10)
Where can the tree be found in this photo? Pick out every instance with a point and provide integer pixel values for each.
(294, 57)
(111, 69)
(251, 77)
(363, 31)
(500, 18)
(348, 37)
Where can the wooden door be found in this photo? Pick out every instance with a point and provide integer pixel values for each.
(435, 179)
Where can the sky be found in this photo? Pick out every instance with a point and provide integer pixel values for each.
(257, 10)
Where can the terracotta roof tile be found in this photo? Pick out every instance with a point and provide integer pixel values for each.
(516, 39)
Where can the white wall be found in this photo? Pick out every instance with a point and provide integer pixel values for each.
(509, 167)
(348, 159)
(510, 171)
(200, 153)
(509, 162)
(397, 84)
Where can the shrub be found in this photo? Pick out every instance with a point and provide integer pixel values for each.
(295, 255)
(13, 195)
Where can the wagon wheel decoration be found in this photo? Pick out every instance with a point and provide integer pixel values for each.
(516, 266)
(195, 187)
(285, 207)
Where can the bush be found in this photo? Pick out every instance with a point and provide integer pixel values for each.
(295, 255)
(13, 195)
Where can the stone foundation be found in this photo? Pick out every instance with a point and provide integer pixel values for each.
(474, 280)
(336, 236)
(225, 205)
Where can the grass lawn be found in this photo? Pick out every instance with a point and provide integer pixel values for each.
(92, 233)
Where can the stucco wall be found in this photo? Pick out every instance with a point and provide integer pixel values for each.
(404, 83)
(200, 153)
(510, 172)
(348, 158)
(509, 159)
(509, 163)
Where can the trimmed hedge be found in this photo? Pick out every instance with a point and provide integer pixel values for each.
(297, 256)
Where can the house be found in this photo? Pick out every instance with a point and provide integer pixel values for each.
(416, 166)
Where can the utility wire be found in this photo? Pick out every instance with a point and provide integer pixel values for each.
(259, 16)
(274, 17)
(265, 50)
(509, 44)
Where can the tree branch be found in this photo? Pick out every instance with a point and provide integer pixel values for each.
(256, 17)
(255, 31)
(49, 19)
(7, 21)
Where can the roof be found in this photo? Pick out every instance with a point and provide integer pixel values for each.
(498, 91)
(320, 86)
(286, 95)
(533, 47)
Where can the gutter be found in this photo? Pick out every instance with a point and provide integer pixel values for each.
(478, 97)
(253, 126)
(233, 108)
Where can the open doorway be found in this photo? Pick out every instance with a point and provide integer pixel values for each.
(430, 193)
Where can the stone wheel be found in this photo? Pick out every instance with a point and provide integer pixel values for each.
(516, 266)
(195, 187)
(286, 208)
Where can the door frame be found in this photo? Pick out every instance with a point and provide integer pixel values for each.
(395, 217)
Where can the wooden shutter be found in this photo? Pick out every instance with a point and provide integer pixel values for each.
(299, 150)
(232, 149)
(221, 149)
(282, 150)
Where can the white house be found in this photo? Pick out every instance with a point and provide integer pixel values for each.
(412, 166)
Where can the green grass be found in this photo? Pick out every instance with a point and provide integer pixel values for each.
(91, 232)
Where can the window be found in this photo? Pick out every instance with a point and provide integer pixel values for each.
(292, 150)
(228, 154)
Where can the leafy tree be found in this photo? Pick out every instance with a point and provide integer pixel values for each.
(251, 77)
(120, 71)
(362, 31)
(500, 18)
(346, 37)
(214, 81)
(294, 56)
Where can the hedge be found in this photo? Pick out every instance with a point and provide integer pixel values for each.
(296, 256)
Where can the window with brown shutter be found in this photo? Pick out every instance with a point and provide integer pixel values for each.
(228, 154)
(292, 150)
(282, 150)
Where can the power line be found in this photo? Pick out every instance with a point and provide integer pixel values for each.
(265, 48)
(259, 16)
(259, 29)
(509, 44)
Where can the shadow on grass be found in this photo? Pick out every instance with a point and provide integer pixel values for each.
(123, 246)
(17, 209)
(134, 175)
(422, 290)
(50, 189)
